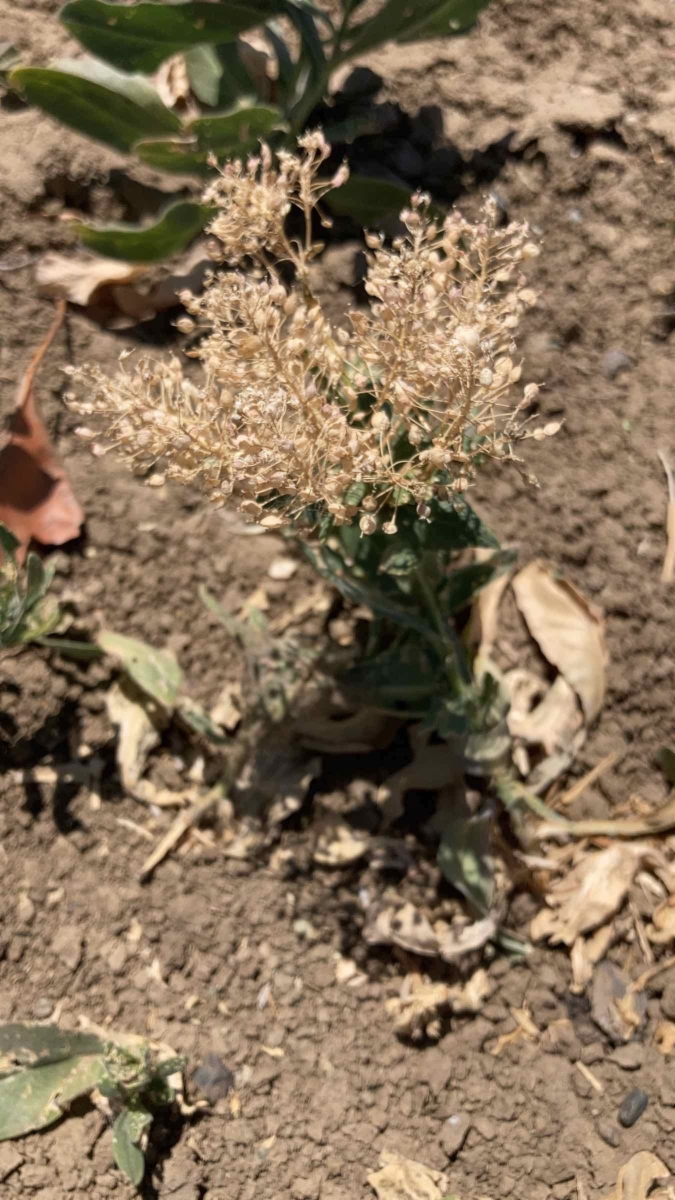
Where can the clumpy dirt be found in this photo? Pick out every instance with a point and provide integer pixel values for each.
(569, 117)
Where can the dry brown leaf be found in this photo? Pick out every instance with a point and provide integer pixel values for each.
(589, 894)
(659, 821)
(483, 623)
(662, 928)
(417, 1008)
(118, 294)
(525, 1030)
(664, 1037)
(457, 940)
(635, 1178)
(470, 997)
(432, 768)
(586, 953)
(226, 712)
(405, 927)
(138, 724)
(614, 1008)
(568, 631)
(404, 1179)
(36, 499)
(338, 845)
(554, 723)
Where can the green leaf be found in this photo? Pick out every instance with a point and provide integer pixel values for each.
(42, 1070)
(177, 226)
(139, 37)
(38, 580)
(410, 20)
(127, 1132)
(9, 544)
(177, 155)
(463, 583)
(399, 560)
(234, 131)
(69, 648)
(217, 75)
(454, 525)
(465, 860)
(368, 201)
(155, 672)
(31, 1045)
(96, 100)
(331, 568)
(404, 675)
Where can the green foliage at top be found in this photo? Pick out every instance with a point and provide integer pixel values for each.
(44, 1069)
(108, 97)
(23, 615)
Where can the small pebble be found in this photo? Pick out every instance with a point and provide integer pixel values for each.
(629, 1057)
(614, 362)
(633, 1107)
(454, 1133)
(213, 1078)
(43, 1008)
(608, 1132)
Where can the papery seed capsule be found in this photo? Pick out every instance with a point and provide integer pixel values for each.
(185, 325)
(367, 524)
(390, 527)
(460, 484)
(380, 422)
(531, 392)
(486, 377)
(529, 250)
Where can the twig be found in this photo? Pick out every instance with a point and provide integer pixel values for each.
(590, 1077)
(26, 385)
(577, 789)
(642, 980)
(669, 560)
(183, 822)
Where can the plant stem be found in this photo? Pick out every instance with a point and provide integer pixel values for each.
(455, 663)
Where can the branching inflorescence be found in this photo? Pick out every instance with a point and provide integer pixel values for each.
(293, 416)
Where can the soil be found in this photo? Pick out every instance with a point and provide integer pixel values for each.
(569, 118)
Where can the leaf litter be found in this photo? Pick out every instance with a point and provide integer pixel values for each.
(37, 502)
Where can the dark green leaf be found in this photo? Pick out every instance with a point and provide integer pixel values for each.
(444, 20)
(312, 48)
(179, 155)
(97, 101)
(139, 37)
(332, 569)
(285, 64)
(127, 1132)
(155, 672)
(400, 560)
(37, 581)
(367, 200)
(453, 525)
(237, 131)
(463, 583)
(38, 1045)
(393, 678)
(35, 1098)
(178, 225)
(465, 860)
(9, 544)
(409, 20)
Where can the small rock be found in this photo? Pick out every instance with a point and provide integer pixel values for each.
(43, 1008)
(608, 1132)
(630, 1057)
(307, 1188)
(662, 284)
(117, 958)
(67, 945)
(35, 1176)
(282, 569)
(454, 1133)
(213, 1078)
(633, 1107)
(609, 985)
(25, 909)
(10, 1160)
(614, 362)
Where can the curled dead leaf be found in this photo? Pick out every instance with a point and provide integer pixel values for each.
(569, 632)
(589, 894)
(456, 940)
(418, 1007)
(404, 1179)
(405, 927)
(586, 953)
(36, 499)
(338, 845)
(662, 928)
(138, 722)
(636, 1177)
(664, 1037)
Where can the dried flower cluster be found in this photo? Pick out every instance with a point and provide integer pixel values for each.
(401, 405)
